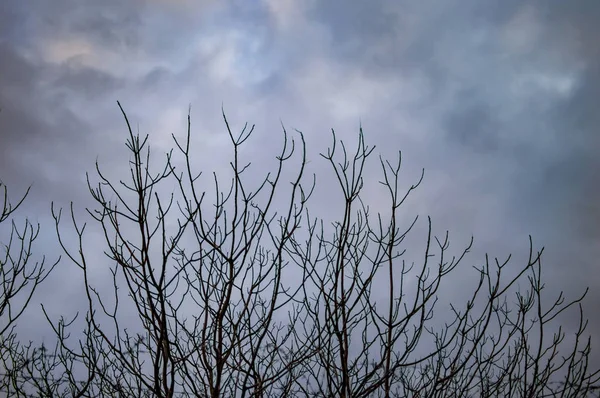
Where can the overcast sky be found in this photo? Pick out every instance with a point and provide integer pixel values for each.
(497, 100)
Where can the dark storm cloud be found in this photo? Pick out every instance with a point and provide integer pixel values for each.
(26, 119)
(17, 77)
(85, 83)
(52, 118)
(360, 22)
(478, 83)
(565, 186)
(41, 137)
(110, 23)
(472, 124)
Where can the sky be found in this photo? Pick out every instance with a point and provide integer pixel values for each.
(496, 100)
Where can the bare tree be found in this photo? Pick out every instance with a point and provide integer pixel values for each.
(240, 295)
(20, 275)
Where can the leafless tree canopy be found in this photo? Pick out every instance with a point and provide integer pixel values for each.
(221, 291)
(20, 275)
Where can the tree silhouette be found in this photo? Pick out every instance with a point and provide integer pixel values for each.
(20, 276)
(236, 295)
